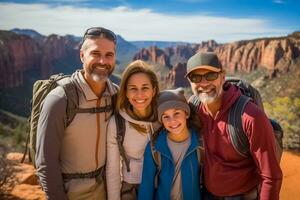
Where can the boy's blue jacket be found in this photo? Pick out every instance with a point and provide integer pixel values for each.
(190, 171)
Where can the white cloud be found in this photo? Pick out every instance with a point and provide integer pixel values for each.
(132, 24)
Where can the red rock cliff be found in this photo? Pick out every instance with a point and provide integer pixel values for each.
(17, 54)
(274, 54)
(153, 54)
(20, 53)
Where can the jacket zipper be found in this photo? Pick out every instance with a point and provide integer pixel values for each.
(98, 134)
(191, 165)
(194, 149)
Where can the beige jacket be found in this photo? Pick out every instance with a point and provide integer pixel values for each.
(134, 146)
(79, 148)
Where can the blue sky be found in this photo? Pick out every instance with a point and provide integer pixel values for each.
(172, 20)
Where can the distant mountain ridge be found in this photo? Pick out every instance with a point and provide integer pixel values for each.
(274, 54)
(26, 50)
(29, 32)
(21, 54)
(125, 49)
(28, 56)
(159, 44)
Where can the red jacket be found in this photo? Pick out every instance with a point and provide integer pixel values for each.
(227, 173)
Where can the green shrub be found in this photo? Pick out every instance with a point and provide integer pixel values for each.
(18, 133)
(286, 110)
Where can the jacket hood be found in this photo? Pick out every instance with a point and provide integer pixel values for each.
(230, 95)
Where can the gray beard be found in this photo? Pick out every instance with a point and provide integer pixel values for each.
(207, 99)
(99, 77)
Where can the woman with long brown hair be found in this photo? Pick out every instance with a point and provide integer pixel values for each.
(136, 105)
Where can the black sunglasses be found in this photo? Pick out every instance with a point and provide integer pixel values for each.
(210, 76)
(97, 31)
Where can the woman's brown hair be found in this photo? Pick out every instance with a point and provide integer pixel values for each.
(134, 67)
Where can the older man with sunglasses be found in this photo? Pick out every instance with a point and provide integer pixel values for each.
(227, 174)
(70, 158)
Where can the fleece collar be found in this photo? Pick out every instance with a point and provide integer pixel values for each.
(88, 93)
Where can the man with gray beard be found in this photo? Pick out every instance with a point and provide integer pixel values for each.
(70, 158)
(229, 175)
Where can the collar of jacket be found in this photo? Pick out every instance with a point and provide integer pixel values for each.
(230, 94)
(81, 83)
(153, 125)
(161, 143)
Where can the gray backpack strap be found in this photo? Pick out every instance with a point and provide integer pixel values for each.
(114, 101)
(157, 159)
(194, 103)
(93, 110)
(73, 101)
(200, 157)
(121, 128)
(72, 98)
(156, 155)
(237, 136)
(92, 174)
(278, 132)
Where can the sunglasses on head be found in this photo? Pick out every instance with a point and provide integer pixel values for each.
(97, 31)
(197, 78)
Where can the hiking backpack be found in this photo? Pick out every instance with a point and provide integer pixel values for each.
(120, 125)
(41, 89)
(237, 135)
(121, 129)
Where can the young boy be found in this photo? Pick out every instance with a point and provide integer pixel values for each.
(177, 143)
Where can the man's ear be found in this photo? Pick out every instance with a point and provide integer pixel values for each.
(81, 56)
(223, 75)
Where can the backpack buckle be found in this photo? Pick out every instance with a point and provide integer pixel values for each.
(94, 110)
